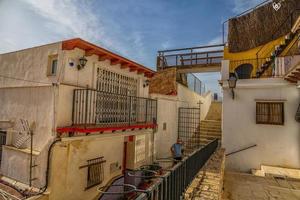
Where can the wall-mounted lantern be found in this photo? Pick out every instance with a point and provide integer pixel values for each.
(146, 83)
(82, 63)
(232, 83)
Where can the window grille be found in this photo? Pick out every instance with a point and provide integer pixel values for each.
(95, 171)
(270, 113)
(112, 82)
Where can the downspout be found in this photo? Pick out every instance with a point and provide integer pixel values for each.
(48, 166)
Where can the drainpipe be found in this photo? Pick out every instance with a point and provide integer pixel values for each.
(48, 166)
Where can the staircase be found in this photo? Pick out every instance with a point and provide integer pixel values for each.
(278, 49)
(209, 131)
(210, 128)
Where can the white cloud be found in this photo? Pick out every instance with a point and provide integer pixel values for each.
(36, 22)
(240, 6)
(72, 19)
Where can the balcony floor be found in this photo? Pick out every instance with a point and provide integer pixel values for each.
(101, 128)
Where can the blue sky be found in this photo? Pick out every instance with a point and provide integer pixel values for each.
(135, 29)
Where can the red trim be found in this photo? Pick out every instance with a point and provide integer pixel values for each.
(101, 129)
(91, 49)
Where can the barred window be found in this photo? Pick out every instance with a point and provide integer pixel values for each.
(95, 171)
(112, 82)
(270, 113)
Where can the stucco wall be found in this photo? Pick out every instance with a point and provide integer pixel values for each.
(68, 181)
(36, 105)
(167, 112)
(87, 76)
(276, 145)
(29, 64)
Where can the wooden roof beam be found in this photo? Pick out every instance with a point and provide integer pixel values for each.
(91, 52)
(125, 65)
(115, 61)
(103, 57)
(140, 71)
(132, 69)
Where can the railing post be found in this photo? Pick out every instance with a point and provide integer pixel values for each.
(146, 111)
(86, 105)
(129, 111)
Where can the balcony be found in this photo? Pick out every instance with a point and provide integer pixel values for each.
(192, 60)
(283, 67)
(97, 111)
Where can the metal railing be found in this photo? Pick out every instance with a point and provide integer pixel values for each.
(257, 64)
(195, 84)
(173, 184)
(203, 55)
(92, 107)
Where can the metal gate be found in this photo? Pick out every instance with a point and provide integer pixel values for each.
(189, 128)
(2, 142)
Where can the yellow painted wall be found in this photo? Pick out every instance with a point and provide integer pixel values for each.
(68, 181)
(249, 56)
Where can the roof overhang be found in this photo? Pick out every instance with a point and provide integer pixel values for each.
(103, 54)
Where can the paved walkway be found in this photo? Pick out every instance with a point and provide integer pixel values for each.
(248, 187)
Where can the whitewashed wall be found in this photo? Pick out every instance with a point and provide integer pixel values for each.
(167, 112)
(276, 145)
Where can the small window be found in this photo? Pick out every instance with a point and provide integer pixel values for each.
(270, 113)
(52, 65)
(95, 171)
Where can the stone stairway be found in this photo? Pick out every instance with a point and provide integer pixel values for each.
(209, 131)
(210, 128)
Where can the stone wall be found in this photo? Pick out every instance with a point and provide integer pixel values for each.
(164, 82)
(208, 183)
(261, 26)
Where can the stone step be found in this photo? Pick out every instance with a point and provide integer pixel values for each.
(210, 128)
(211, 136)
(204, 131)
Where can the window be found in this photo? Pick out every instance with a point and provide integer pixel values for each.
(270, 113)
(52, 65)
(111, 82)
(95, 171)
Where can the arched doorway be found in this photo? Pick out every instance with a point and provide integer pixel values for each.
(244, 71)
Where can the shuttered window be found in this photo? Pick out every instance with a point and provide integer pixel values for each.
(111, 82)
(270, 113)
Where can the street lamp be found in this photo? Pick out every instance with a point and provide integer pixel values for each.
(82, 63)
(232, 83)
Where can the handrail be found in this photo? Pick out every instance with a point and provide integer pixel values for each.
(243, 149)
(190, 48)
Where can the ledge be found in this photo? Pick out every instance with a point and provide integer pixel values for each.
(27, 151)
(82, 129)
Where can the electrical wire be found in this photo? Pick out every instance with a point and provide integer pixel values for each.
(20, 79)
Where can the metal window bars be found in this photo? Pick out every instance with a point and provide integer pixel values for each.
(189, 128)
(95, 171)
(171, 185)
(92, 107)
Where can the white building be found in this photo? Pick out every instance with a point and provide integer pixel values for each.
(259, 123)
